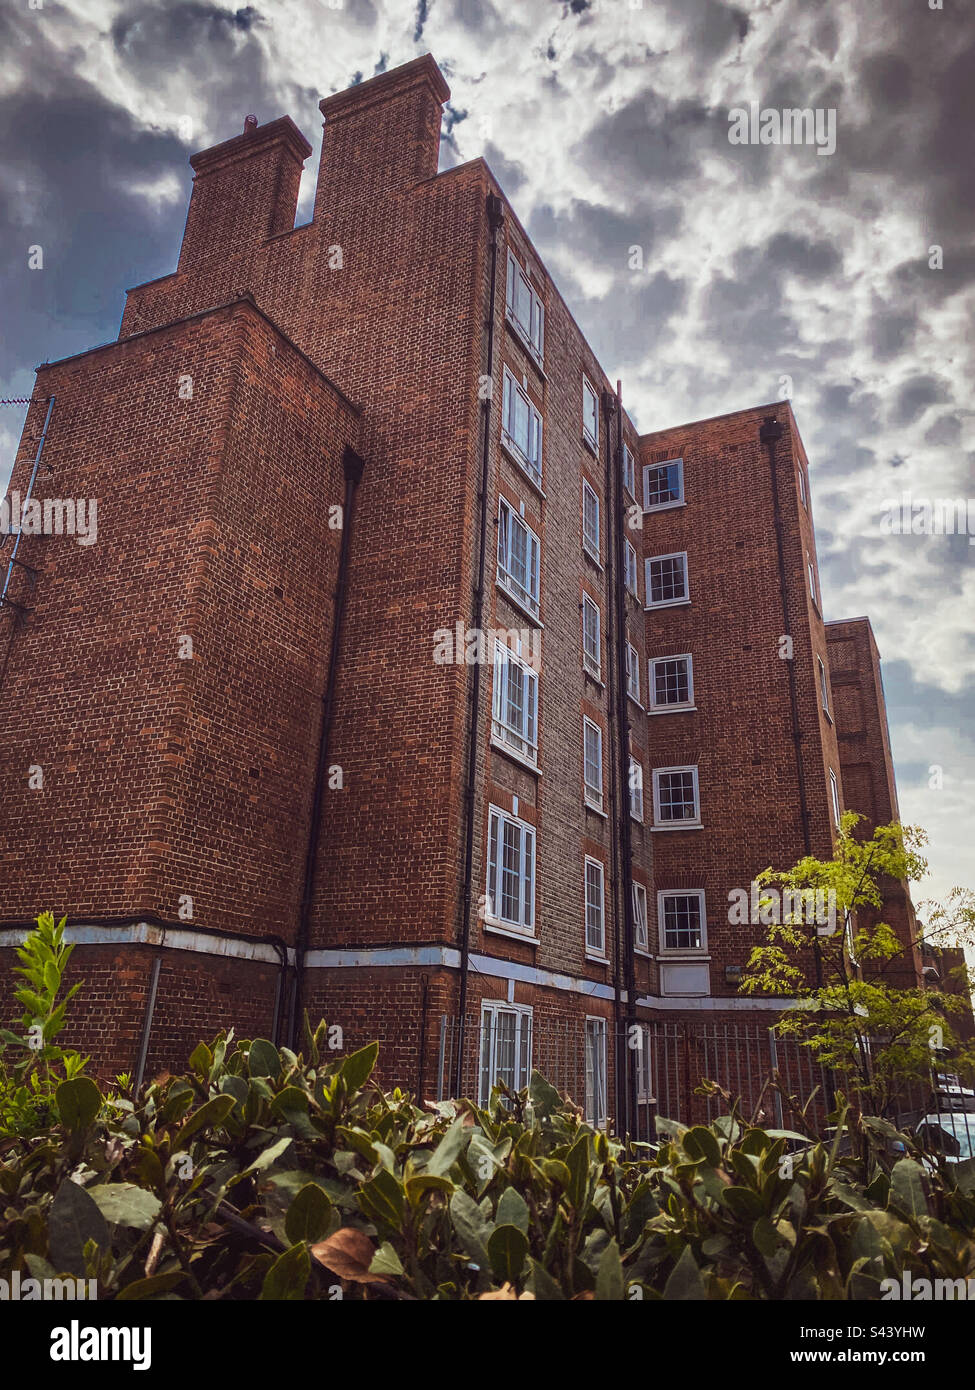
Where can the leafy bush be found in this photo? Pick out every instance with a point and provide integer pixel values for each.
(260, 1175)
(32, 1064)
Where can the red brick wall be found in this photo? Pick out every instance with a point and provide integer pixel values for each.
(740, 734)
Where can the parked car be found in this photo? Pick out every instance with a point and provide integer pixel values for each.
(952, 1136)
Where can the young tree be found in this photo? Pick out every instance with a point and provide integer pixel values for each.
(871, 1035)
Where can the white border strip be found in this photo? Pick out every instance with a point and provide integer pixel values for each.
(171, 938)
(447, 957)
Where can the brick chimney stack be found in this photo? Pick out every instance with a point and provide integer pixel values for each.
(381, 136)
(245, 190)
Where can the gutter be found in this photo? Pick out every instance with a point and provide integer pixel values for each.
(352, 466)
(495, 216)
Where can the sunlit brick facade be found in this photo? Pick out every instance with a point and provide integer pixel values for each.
(324, 456)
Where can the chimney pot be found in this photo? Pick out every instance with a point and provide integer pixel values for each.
(250, 123)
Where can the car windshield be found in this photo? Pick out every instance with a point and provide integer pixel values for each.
(960, 1127)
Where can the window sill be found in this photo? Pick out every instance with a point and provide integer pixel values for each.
(593, 676)
(520, 337)
(664, 507)
(632, 593)
(512, 932)
(500, 747)
(636, 701)
(512, 453)
(593, 559)
(668, 829)
(643, 951)
(591, 444)
(668, 603)
(596, 810)
(516, 602)
(683, 953)
(637, 820)
(596, 958)
(674, 709)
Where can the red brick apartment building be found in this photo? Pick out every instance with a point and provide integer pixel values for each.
(243, 747)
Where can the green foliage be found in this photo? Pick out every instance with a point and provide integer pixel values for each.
(33, 1067)
(872, 1035)
(252, 1177)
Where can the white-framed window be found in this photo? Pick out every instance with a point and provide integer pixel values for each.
(636, 789)
(506, 1047)
(672, 682)
(525, 309)
(629, 470)
(663, 485)
(590, 520)
(595, 927)
(592, 763)
(834, 791)
(676, 800)
(641, 938)
(803, 495)
(682, 920)
(591, 646)
(521, 427)
(515, 703)
(511, 872)
(632, 570)
(638, 1043)
(590, 413)
(666, 577)
(519, 552)
(596, 1105)
(632, 672)
(812, 580)
(824, 686)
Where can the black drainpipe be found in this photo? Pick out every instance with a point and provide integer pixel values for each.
(352, 466)
(616, 831)
(769, 434)
(622, 703)
(495, 216)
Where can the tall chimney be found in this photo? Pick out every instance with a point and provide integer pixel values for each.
(245, 191)
(381, 136)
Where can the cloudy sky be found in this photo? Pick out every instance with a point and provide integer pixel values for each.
(765, 268)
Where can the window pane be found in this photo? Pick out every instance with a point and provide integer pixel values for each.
(682, 921)
(676, 796)
(671, 685)
(663, 484)
(667, 579)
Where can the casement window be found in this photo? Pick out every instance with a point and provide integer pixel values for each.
(675, 797)
(511, 872)
(592, 763)
(834, 791)
(506, 1047)
(824, 687)
(803, 495)
(639, 1050)
(518, 558)
(683, 926)
(663, 485)
(515, 703)
(812, 580)
(590, 521)
(641, 939)
(596, 1089)
(636, 789)
(595, 928)
(525, 309)
(521, 427)
(591, 647)
(667, 579)
(631, 569)
(629, 471)
(671, 682)
(632, 672)
(590, 413)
